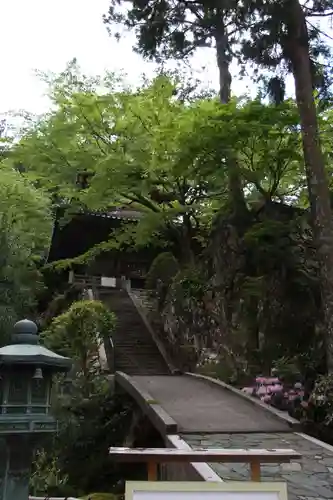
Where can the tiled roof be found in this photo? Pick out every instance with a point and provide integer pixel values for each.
(118, 214)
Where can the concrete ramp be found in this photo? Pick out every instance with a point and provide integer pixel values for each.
(200, 407)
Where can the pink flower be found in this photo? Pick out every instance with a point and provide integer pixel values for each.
(275, 388)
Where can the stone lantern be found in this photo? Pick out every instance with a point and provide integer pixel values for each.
(26, 370)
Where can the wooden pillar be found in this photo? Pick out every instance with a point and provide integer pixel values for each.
(152, 471)
(255, 471)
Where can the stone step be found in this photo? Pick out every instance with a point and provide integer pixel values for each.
(135, 349)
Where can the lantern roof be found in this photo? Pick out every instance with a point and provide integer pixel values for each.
(26, 350)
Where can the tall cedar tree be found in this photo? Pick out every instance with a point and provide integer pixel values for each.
(281, 33)
(175, 29)
(283, 36)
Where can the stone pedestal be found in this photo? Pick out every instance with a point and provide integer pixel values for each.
(16, 455)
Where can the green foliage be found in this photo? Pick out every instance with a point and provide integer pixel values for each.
(86, 430)
(322, 400)
(80, 328)
(163, 269)
(25, 230)
(148, 150)
(78, 333)
(220, 370)
(159, 277)
(164, 156)
(59, 304)
(287, 369)
(46, 474)
(190, 282)
(27, 210)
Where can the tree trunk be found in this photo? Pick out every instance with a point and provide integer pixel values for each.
(223, 61)
(297, 51)
(221, 40)
(226, 258)
(187, 255)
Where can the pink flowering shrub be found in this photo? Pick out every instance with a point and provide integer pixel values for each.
(271, 390)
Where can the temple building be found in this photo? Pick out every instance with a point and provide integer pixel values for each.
(87, 229)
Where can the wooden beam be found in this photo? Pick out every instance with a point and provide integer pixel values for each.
(164, 455)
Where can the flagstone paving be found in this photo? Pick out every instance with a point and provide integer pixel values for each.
(310, 478)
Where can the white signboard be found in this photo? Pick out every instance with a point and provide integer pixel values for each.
(108, 282)
(196, 490)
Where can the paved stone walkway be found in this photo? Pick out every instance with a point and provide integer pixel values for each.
(310, 478)
(198, 406)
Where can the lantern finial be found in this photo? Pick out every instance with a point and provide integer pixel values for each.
(25, 332)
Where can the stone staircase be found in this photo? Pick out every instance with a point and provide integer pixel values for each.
(135, 352)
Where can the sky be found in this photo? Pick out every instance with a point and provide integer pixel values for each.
(46, 34)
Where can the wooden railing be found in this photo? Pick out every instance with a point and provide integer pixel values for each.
(154, 456)
(87, 281)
